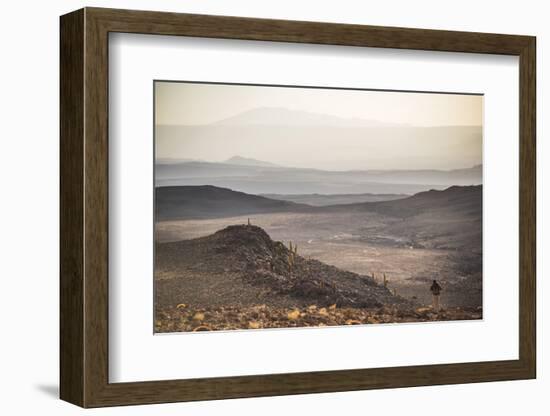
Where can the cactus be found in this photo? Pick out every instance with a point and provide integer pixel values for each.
(290, 257)
(249, 222)
(385, 281)
(292, 253)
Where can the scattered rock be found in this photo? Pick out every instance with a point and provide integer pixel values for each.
(263, 316)
(199, 316)
(293, 315)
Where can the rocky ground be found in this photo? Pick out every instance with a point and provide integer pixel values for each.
(239, 278)
(183, 318)
(242, 266)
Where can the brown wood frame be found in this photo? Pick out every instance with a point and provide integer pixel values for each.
(84, 208)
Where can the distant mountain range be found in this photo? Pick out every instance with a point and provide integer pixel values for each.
(258, 177)
(321, 141)
(279, 116)
(246, 161)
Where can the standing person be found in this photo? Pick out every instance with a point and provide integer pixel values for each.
(436, 292)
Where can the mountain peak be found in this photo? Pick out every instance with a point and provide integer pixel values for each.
(246, 161)
(245, 236)
(280, 116)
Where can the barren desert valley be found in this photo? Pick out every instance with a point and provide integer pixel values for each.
(228, 259)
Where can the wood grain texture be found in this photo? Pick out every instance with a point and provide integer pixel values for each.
(71, 99)
(84, 207)
(527, 208)
(96, 219)
(225, 27)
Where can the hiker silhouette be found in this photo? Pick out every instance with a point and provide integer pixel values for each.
(435, 288)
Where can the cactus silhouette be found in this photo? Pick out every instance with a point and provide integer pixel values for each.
(292, 253)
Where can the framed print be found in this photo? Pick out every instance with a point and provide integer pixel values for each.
(341, 207)
(221, 218)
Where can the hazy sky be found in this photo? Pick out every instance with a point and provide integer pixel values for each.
(188, 104)
(193, 104)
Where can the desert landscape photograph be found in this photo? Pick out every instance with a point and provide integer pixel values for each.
(293, 207)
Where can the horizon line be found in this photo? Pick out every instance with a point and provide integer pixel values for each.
(279, 166)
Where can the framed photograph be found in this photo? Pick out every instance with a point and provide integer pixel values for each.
(255, 207)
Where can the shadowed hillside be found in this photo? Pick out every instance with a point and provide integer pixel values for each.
(464, 199)
(239, 278)
(241, 266)
(193, 202)
(447, 219)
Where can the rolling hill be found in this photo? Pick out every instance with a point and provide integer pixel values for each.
(447, 219)
(464, 199)
(321, 200)
(450, 218)
(200, 202)
(242, 266)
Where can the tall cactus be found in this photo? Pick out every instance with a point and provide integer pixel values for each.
(385, 281)
(292, 253)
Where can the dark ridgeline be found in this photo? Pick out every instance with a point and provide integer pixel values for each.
(448, 209)
(200, 202)
(465, 199)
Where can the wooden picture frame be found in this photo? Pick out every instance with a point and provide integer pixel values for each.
(84, 207)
